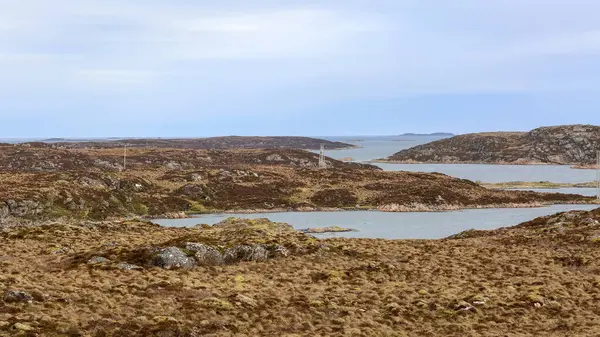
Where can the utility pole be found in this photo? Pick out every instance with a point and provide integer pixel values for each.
(322, 157)
(125, 157)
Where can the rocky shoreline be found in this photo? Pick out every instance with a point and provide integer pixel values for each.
(574, 145)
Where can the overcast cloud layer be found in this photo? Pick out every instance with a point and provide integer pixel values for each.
(199, 68)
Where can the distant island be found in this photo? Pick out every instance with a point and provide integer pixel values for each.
(435, 134)
(218, 143)
(562, 145)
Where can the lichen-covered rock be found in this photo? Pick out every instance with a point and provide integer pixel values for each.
(255, 252)
(15, 296)
(205, 255)
(128, 266)
(22, 327)
(278, 251)
(98, 260)
(4, 211)
(244, 300)
(172, 258)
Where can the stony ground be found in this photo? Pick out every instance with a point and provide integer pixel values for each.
(256, 278)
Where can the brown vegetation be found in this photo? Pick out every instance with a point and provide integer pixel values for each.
(44, 182)
(538, 278)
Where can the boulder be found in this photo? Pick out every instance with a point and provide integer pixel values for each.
(15, 296)
(172, 258)
(97, 260)
(205, 255)
(279, 251)
(256, 252)
(128, 266)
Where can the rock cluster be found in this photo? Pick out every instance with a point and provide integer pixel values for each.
(198, 254)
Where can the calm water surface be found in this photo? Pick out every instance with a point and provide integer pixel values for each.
(501, 173)
(588, 192)
(375, 147)
(393, 225)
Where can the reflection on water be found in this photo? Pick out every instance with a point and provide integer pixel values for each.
(433, 225)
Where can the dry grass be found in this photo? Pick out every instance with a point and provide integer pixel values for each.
(540, 278)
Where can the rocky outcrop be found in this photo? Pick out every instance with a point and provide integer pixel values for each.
(172, 258)
(205, 255)
(20, 209)
(16, 296)
(569, 144)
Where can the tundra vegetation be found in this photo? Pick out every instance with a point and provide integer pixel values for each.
(77, 258)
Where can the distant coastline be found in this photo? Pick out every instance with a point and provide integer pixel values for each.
(436, 134)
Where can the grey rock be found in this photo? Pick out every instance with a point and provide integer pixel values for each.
(4, 211)
(14, 296)
(62, 250)
(97, 260)
(255, 252)
(173, 165)
(128, 266)
(22, 327)
(23, 208)
(279, 251)
(205, 255)
(172, 258)
(274, 157)
(244, 300)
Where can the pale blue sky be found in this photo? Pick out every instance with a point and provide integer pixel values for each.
(76, 68)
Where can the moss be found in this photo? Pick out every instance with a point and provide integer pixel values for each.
(316, 303)
(139, 208)
(216, 304)
(59, 212)
(198, 208)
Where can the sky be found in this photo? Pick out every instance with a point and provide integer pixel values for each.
(194, 68)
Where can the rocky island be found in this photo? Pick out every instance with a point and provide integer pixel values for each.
(564, 145)
(218, 143)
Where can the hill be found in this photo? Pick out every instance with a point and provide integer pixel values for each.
(565, 145)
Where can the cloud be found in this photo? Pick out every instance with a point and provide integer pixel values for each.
(235, 57)
(118, 76)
